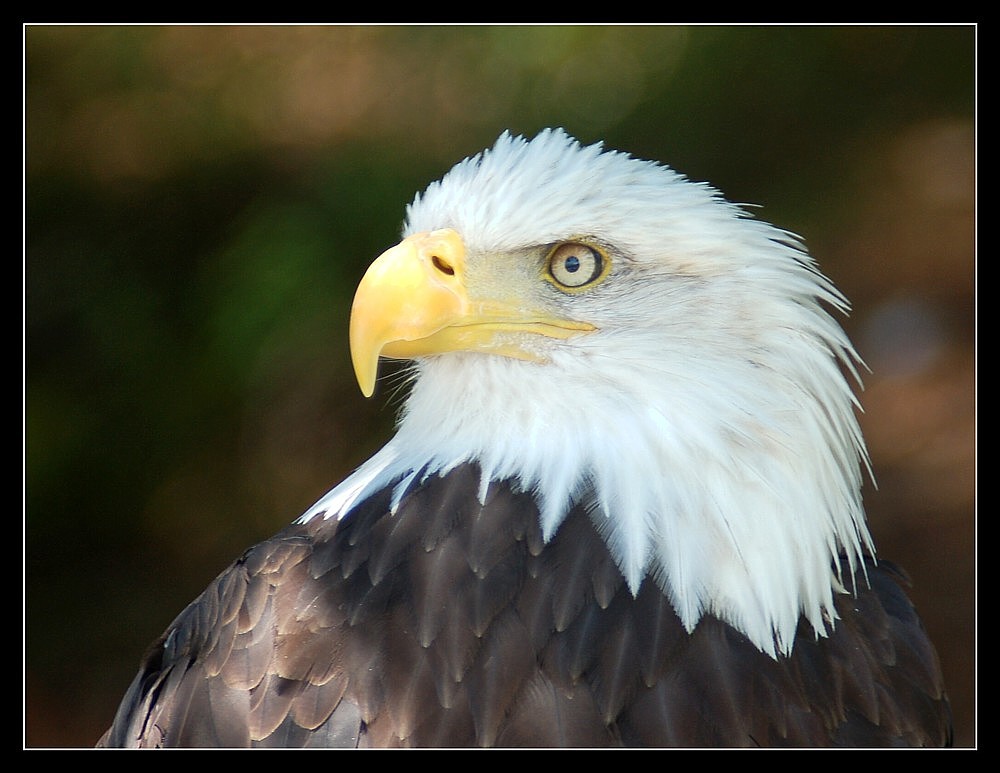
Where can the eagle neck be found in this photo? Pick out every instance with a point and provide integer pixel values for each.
(730, 513)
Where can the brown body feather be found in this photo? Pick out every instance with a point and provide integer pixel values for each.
(450, 624)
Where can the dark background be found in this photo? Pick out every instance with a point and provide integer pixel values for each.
(200, 202)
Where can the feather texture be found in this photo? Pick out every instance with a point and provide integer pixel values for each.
(424, 661)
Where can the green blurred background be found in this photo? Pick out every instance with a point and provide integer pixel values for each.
(201, 200)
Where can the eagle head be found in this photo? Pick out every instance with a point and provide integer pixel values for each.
(604, 332)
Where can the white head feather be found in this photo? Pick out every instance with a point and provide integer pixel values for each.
(707, 421)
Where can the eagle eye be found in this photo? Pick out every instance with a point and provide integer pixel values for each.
(574, 265)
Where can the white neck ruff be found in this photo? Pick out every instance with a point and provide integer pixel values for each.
(736, 503)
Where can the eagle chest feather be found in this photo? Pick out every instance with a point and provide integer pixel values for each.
(437, 625)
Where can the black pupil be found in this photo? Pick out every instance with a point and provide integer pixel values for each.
(572, 264)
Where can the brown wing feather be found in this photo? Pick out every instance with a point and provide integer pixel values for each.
(449, 624)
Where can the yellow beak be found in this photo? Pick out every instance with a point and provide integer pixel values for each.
(414, 301)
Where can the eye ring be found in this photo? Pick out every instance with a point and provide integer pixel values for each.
(573, 266)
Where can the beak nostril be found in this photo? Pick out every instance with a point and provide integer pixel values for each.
(442, 265)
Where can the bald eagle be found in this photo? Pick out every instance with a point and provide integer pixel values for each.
(622, 506)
